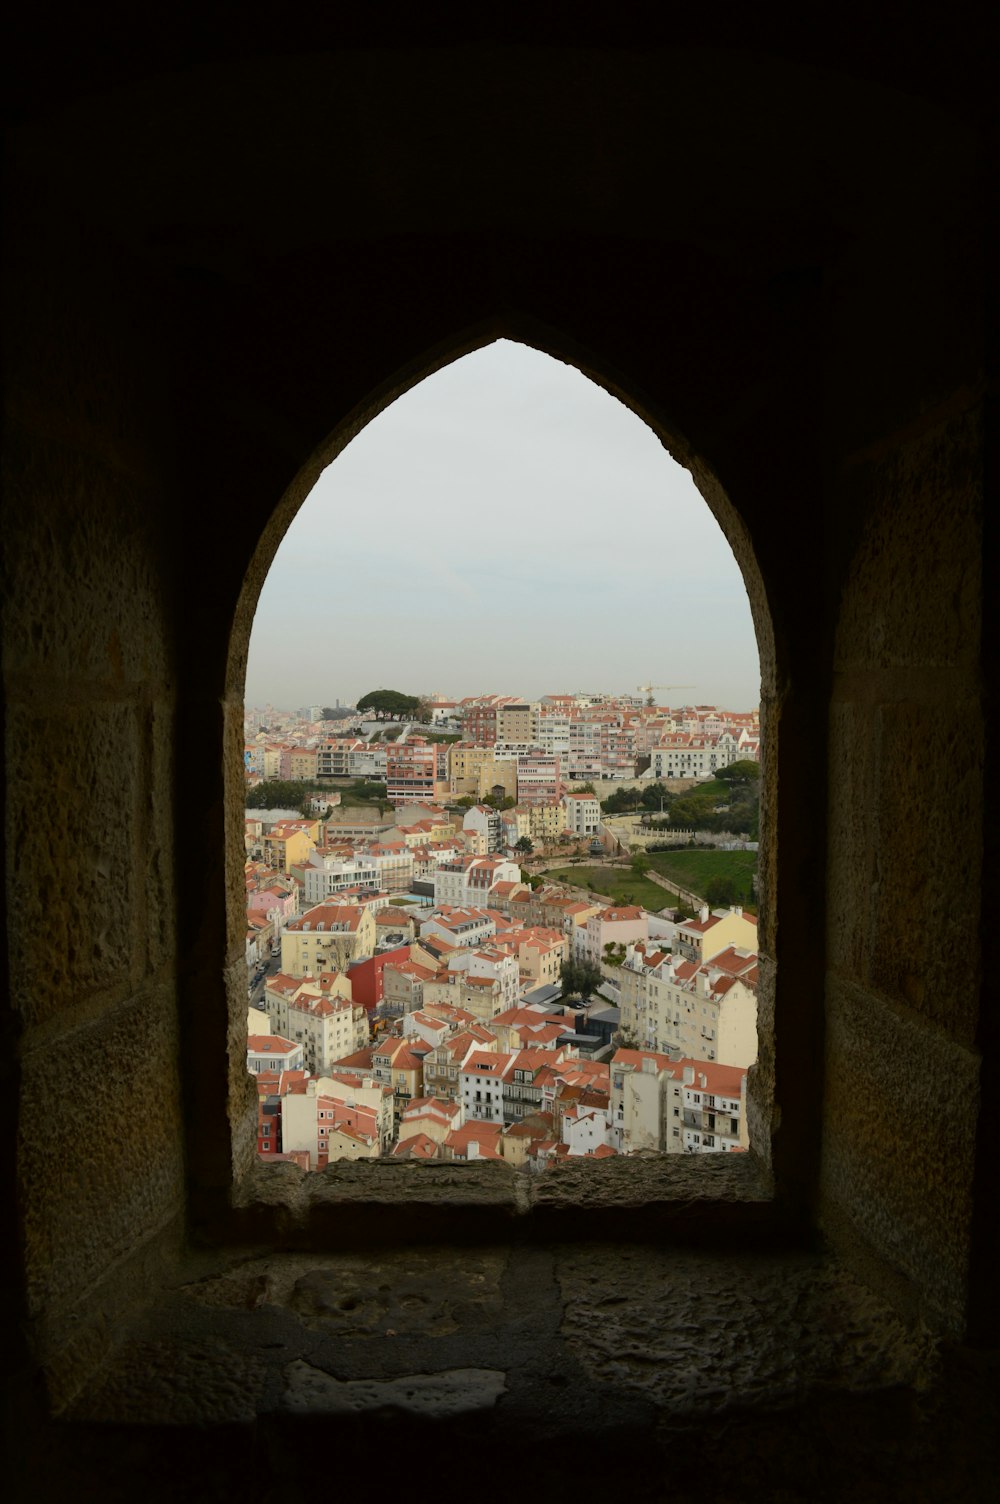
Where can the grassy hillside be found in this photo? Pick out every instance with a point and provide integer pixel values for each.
(695, 869)
(616, 883)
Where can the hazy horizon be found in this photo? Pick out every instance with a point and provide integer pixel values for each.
(504, 527)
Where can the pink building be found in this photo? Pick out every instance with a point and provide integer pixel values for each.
(539, 778)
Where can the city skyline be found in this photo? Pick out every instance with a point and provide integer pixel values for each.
(584, 546)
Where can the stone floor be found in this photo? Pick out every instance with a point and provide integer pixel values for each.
(540, 1371)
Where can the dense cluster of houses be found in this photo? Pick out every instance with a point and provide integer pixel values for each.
(405, 981)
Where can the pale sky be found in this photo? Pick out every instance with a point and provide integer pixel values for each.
(505, 527)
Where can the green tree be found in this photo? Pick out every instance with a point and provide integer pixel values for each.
(582, 977)
(275, 793)
(720, 892)
(389, 704)
(744, 771)
(640, 863)
(525, 844)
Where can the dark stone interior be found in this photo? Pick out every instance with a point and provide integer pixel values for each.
(229, 244)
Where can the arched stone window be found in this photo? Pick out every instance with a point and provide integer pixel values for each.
(750, 1178)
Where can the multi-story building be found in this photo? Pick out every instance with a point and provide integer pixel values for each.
(684, 754)
(550, 730)
(584, 748)
(327, 937)
(468, 928)
(272, 1052)
(443, 1063)
(539, 778)
(367, 760)
(515, 724)
(705, 1013)
(583, 813)
(676, 1105)
(476, 769)
(302, 764)
(714, 1119)
(481, 1085)
(487, 823)
(416, 771)
(466, 881)
(711, 932)
(289, 842)
(333, 756)
(323, 876)
(621, 926)
(546, 821)
(399, 1063)
(317, 1109)
(319, 1015)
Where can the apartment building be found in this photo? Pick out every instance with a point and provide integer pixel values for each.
(515, 724)
(705, 1013)
(327, 937)
(481, 1086)
(477, 769)
(539, 778)
(319, 1015)
(621, 926)
(583, 813)
(333, 756)
(676, 1106)
(271, 1052)
(289, 842)
(324, 876)
(466, 881)
(711, 932)
(416, 771)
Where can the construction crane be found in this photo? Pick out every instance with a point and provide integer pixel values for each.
(647, 689)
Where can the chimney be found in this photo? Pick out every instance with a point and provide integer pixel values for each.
(703, 912)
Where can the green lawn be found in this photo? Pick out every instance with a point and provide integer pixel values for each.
(615, 883)
(693, 869)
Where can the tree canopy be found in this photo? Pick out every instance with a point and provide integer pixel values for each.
(279, 793)
(624, 801)
(583, 977)
(744, 771)
(390, 704)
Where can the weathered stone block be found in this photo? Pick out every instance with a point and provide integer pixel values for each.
(71, 822)
(927, 844)
(925, 507)
(101, 1163)
(88, 598)
(900, 1120)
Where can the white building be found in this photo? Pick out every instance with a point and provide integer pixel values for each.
(466, 882)
(326, 875)
(270, 1052)
(583, 814)
(482, 1077)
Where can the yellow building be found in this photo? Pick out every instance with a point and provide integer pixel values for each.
(712, 932)
(291, 842)
(515, 724)
(540, 954)
(476, 770)
(546, 822)
(302, 764)
(327, 938)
